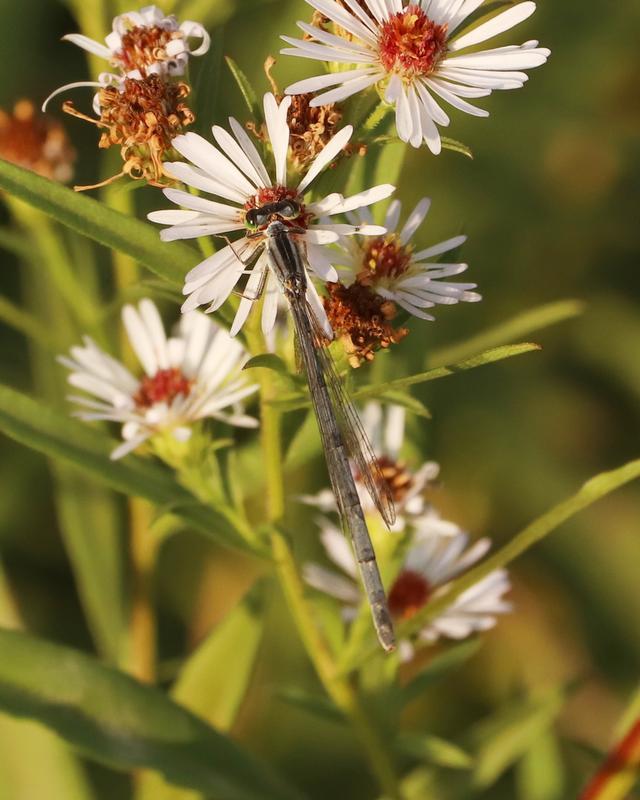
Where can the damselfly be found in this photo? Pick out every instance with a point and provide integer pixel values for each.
(342, 434)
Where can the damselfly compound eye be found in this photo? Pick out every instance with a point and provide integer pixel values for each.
(256, 218)
(288, 209)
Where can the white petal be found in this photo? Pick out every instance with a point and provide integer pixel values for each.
(498, 24)
(276, 119)
(339, 549)
(324, 81)
(415, 219)
(88, 44)
(326, 156)
(442, 247)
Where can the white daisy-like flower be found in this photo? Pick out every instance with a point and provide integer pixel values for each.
(190, 376)
(414, 53)
(146, 41)
(391, 268)
(439, 551)
(235, 172)
(385, 430)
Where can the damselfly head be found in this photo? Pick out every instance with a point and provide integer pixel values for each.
(261, 216)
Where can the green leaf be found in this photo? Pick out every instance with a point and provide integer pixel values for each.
(117, 721)
(90, 525)
(541, 772)
(593, 490)
(380, 391)
(207, 85)
(34, 763)
(314, 704)
(521, 325)
(456, 146)
(246, 89)
(140, 240)
(47, 431)
(16, 243)
(405, 400)
(506, 737)
(208, 686)
(268, 361)
(433, 750)
(24, 322)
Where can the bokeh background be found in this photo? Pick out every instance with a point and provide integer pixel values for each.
(550, 204)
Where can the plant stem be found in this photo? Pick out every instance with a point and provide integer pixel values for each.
(339, 689)
(142, 623)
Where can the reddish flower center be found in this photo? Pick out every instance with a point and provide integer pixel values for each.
(142, 46)
(410, 591)
(410, 43)
(163, 387)
(275, 194)
(384, 257)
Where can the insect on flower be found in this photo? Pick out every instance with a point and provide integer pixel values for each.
(412, 52)
(194, 375)
(235, 172)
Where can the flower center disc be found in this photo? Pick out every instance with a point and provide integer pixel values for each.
(163, 387)
(397, 477)
(408, 594)
(410, 43)
(384, 257)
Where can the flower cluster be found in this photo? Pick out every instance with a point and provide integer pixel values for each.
(435, 549)
(142, 107)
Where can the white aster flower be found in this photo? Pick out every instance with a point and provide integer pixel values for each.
(439, 551)
(235, 172)
(391, 268)
(414, 53)
(190, 376)
(385, 430)
(146, 41)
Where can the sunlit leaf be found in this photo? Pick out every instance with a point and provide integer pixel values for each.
(381, 391)
(503, 739)
(540, 773)
(117, 721)
(433, 750)
(521, 325)
(214, 680)
(47, 431)
(593, 490)
(246, 89)
(267, 361)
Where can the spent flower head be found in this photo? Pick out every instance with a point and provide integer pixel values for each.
(36, 141)
(141, 116)
(147, 42)
(438, 551)
(235, 172)
(193, 375)
(414, 52)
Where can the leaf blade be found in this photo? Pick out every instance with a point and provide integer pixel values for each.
(118, 721)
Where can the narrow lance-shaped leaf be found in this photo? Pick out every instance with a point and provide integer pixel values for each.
(117, 721)
(594, 489)
(87, 216)
(47, 431)
(523, 324)
(381, 390)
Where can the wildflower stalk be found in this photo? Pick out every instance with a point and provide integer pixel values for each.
(338, 688)
(142, 623)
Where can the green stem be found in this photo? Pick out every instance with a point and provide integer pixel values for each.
(338, 688)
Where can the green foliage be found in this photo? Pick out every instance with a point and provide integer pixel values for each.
(123, 723)
(54, 434)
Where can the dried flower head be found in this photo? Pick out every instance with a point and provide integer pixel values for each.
(141, 116)
(362, 321)
(37, 142)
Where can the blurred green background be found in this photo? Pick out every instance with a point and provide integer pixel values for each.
(550, 204)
